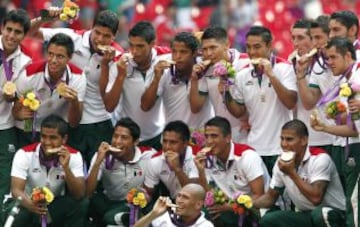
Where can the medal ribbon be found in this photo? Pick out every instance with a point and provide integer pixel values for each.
(53, 86)
(329, 94)
(7, 66)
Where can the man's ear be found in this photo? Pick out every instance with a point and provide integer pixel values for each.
(353, 31)
(136, 142)
(304, 141)
(65, 139)
(152, 43)
(199, 205)
(228, 138)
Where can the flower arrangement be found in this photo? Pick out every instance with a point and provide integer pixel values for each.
(136, 200)
(42, 195)
(334, 108)
(226, 72)
(30, 100)
(351, 90)
(215, 196)
(224, 69)
(70, 11)
(136, 197)
(197, 137)
(243, 206)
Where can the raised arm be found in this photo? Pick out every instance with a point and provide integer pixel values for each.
(111, 97)
(286, 96)
(309, 95)
(149, 97)
(197, 99)
(76, 185)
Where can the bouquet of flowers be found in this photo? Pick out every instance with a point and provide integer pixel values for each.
(215, 196)
(226, 72)
(243, 206)
(351, 90)
(335, 108)
(30, 100)
(198, 137)
(70, 11)
(44, 196)
(136, 200)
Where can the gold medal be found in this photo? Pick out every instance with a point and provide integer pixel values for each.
(9, 88)
(61, 89)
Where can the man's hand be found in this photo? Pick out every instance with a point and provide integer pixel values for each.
(160, 205)
(69, 94)
(197, 70)
(354, 105)
(216, 210)
(173, 160)
(267, 67)
(316, 123)
(64, 157)
(37, 208)
(24, 113)
(122, 64)
(200, 160)
(223, 86)
(108, 55)
(160, 67)
(53, 13)
(301, 65)
(102, 151)
(287, 167)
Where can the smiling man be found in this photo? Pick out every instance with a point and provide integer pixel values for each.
(189, 202)
(119, 166)
(37, 165)
(310, 180)
(13, 62)
(43, 78)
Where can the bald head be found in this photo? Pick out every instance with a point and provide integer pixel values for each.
(195, 190)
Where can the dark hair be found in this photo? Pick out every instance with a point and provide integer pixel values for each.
(221, 123)
(179, 127)
(131, 125)
(342, 46)
(107, 18)
(346, 18)
(264, 32)
(18, 16)
(298, 126)
(188, 39)
(217, 33)
(61, 39)
(322, 22)
(56, 122)
(143, 29)
(303, 23)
